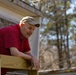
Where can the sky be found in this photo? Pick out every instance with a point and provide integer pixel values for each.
(70, 11)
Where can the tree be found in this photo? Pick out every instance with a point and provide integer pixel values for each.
(57, 26)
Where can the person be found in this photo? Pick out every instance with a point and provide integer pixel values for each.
(14, 40)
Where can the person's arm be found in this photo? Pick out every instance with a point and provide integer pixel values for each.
(34, 60)
(15, 52)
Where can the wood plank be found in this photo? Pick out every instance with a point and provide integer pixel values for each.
(13, 62)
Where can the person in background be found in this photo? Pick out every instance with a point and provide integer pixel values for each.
(14, 40)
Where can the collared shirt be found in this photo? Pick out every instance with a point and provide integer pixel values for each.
(11, 37)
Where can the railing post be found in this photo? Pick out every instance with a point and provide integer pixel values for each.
(32, 72)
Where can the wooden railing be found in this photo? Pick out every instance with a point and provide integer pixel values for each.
(16, 63)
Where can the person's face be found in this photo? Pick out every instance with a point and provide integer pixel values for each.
(27, 29)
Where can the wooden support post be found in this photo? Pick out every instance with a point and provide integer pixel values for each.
(32, 72)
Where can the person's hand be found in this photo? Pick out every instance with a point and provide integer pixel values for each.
(35, 63)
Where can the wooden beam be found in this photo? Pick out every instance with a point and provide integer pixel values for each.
(17, 63)
(21, 8)
(14, 62)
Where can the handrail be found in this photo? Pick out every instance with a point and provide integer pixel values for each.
(17, 63)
